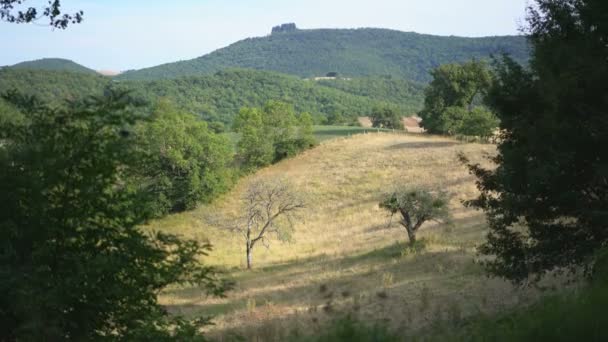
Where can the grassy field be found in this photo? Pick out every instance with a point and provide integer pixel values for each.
(344, 257)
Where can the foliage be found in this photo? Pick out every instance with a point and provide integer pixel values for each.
(10, 12)
(271, 133)
(416, 206)
(254, 148)
(219, 97)
(547, 199)
(386, 117)
(306, 133)
(72, 262)
(452, 100)
(406, 96)
(57, 64)
(269, 208)
(10, 115)
(479, 122)
(52, 87)
(348, 52)
(185, 162)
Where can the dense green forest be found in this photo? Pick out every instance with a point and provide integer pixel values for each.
(386, 88)
(52, 86)
(349, 52)
(58, 64)
(219, 97)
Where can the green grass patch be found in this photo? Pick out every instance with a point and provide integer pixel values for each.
(323, 133)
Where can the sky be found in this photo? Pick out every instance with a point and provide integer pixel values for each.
(132, 34)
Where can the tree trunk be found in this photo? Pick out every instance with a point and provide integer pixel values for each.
(249, 256)
(411, 234)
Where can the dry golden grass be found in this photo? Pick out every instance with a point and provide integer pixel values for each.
(343, 257)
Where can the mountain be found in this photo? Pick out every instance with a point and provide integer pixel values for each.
(348, 52)
(56, 64)
(220, 96)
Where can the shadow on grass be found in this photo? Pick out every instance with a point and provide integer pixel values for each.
(343, 271)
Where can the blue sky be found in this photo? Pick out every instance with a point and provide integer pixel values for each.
(131, 34)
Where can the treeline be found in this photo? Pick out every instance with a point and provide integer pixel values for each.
(349, 52)
(57, 64)
(50, 86)
(401, 93)
(219, 97)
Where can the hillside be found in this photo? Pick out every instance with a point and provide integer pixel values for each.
(55, 64)
(51, 85)
(349, 52)
(219, 97)
(343, 258)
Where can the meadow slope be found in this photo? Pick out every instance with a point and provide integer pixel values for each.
(343, 258)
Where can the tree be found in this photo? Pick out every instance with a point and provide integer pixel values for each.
(52, 11)
(306, 135)
(271, 133)
(416, 207)
(479, 122)
(454, 96)
(280, 125)
(547, 198)
(269, 209)
(74, 265)
(386, 117)
(254, 149)
(185, 161)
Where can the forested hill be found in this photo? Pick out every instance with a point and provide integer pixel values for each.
(349, 52)
(220, 96)
(56, 64)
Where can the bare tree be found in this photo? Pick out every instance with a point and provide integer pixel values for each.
(416, 206)
(270, 208)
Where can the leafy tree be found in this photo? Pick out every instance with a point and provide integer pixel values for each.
(547, 198)
(452, 98)
(280, 125)
(10, 115)
(73, 264)
(386, 117)
(306, 134)
(451, 120)
(52, 11)
(336, 117)
(479, 122)
(416, 206)
(269, 209)
(255, 149)
(185, 162)
(271, 134)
